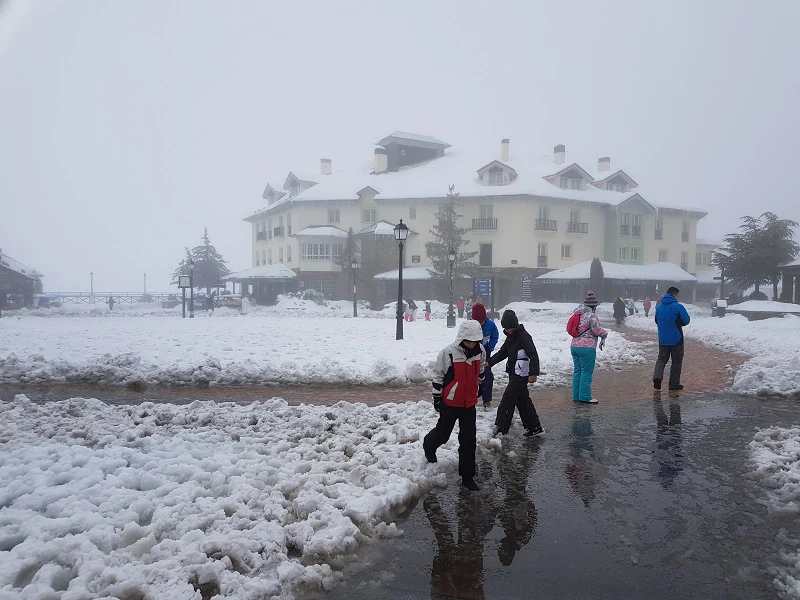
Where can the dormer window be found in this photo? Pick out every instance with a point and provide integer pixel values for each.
(617, 187)
(571, 183)
(497, 177)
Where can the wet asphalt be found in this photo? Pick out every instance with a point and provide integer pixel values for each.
(653, 499)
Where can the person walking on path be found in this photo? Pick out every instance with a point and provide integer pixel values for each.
(630, 305)
(468, 307)
(457, 378)
(490, 337)
(584, 349)
(671, 318)
(412, 309)
(111, 303)
(647, 305)
(460, 307)
(522, 368)
(619, 310)
(427, 310)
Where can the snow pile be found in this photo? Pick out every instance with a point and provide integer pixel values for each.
(252, 350)
(773, 344)
(162, 501)
(765, 306)
(775, 453)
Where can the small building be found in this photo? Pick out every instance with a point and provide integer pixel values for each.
(18, 283)
(263, 284)
(790, 273)
(627, 281)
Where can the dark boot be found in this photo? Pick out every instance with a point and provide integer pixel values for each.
(469, 483)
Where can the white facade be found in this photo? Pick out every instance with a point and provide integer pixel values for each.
(535, 213)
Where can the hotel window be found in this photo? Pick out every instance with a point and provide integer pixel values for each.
(635, 254)
(663, 256)
(625, 254)
(497, 177)
(269, 256)
(333, 215)
(369, 215)
(280, 254)
(566, 251)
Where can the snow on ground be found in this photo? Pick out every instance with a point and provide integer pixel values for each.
(765, 306)
(775, 452)
(260, 347)
(159, 500)
(773, 346)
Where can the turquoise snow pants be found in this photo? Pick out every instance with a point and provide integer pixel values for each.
(583, 359)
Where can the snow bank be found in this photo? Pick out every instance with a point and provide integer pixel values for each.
(159, 500)
(775, 452)
(773, 344)
(258, 349)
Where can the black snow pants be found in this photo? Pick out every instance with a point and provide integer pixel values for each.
(466, 436)
(516, 396)
(665, 353)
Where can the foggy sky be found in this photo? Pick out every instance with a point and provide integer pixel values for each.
(125, 128)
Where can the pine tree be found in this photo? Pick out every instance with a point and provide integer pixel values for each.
(449, 236)
(349, 252)
(209, 266)
(596, 278)
(752, 256)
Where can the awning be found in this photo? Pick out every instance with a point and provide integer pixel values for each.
(279, 271)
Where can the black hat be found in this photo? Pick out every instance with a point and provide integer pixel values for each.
(509, 320)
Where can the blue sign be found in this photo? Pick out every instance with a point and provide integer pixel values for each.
(482, 287)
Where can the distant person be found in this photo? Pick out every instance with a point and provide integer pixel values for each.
(619, 310)
(457, 378)
(411, 310)
(647, 305)
(631, 306)
(111, 303)
(3, 302)
(468, 307)
(522, 368)
(210, 302)
(427, 310)
(490, 337)
(460, 307)
(671, 318)
(584, 349)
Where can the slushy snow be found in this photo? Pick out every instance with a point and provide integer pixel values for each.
(160, 501)
(775, 453)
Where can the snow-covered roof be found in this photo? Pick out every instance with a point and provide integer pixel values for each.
(279, 271)
(321, 231)
(709, 242)
(16, 266)
(765, 306)
(398, 136)
(662, 271)
(409, 273)
(432, 178)
(383, 228)
(794, 263)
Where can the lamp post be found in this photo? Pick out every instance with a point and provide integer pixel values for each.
(400, 234)
(145, 284)
(354, 266)
(451, 315)
(191, 289)
(91, 286)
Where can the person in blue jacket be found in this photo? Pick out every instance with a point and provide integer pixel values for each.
(490, 337)
(671, 318)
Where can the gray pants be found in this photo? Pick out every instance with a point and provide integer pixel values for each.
(666, 353)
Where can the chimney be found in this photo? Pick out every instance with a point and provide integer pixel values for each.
(604, 163)
(560, 154)
(505, 149)
(325, 166)
(381, 161)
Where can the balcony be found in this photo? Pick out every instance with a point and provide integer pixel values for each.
(261, 235)
(637, 231)
(278, 232)
(684, 236)
(542, 262)
(624, 229)
(575, 227)
(659, 234)
(546, 225)
(485, 224)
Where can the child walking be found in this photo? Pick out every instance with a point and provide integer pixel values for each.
(584, 349)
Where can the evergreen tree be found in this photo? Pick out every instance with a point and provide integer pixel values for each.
(449, 236)
(349, 252)
(597, 278)
(752, 256)
(209, 266)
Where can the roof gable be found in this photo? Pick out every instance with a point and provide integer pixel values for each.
(634, 201)
(573, 167)
(272, 193)
(607, 176)
(496, 164)
(291, 177)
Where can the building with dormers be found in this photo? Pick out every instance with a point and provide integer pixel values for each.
(528, 212)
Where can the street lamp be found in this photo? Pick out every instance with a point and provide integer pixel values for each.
(191, 289)
(400, 234)
(451, 315)
(354, 266)
(91, 286)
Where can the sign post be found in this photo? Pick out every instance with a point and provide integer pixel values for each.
(183, 283)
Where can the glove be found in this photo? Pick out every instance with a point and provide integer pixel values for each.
(602, 343)
(438, 402)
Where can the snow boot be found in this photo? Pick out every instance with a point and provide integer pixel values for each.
(469, 483)
(656, 384)
(430, 455)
